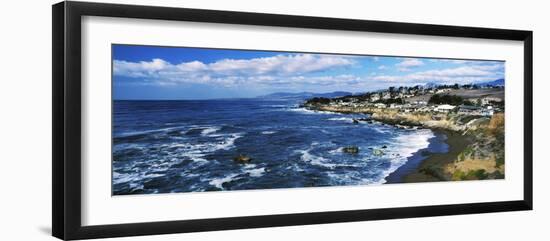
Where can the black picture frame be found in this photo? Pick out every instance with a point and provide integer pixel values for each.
(66, 128)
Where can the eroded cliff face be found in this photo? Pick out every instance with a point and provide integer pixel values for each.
(484, 158)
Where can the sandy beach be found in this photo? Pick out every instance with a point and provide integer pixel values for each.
(430, 169)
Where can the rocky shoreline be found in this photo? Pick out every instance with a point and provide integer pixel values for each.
(397, 118)
(475, 145)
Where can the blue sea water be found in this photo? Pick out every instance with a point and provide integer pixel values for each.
(189, 146)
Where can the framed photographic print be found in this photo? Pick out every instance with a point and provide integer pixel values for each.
(170, 120)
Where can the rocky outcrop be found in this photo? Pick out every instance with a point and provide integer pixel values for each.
(351, 149)
(377, 152)
(482, 158)
(242, 159)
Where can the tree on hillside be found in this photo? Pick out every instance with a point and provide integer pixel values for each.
(391, 101)
(446, 99)
(318, 100)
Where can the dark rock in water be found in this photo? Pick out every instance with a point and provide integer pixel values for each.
(377, 152)
(242, 159)
(384, 147)
(358, 120)
(351, 149)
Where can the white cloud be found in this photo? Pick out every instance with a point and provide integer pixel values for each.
(460, 61)
(456, 61)
(231, 71)
(408, 63)
(138, 69)
(344, 79)
(461, 75)
(297, 70)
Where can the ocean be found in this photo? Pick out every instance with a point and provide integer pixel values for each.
(190, 146)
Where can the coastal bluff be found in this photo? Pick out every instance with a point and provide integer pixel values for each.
(476, 142)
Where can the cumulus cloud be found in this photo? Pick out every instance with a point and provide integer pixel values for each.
(455, 61)
(460, 61)
(408, 63)
(461, 75)
(231, 71)
(303, 70)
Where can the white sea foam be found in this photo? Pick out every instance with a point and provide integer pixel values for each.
(257, 172)
(315, 160)
(411, 142)
(136, 186)
(218, 182)
(189, 175)
(135, 133)
(196, 152)
(381, 129)
(253, 171)
(119, 178)
(229, 142)
(295, 168)
(336, 151)
(210, 130)
(404, 146)
(153, 175)
(308, 111)
(249, 169)
(123, 178)
(169, 154)
(345, 119)
(275, 106)
(161, 165)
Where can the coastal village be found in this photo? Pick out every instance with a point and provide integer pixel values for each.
(466, 100)
(471, 116)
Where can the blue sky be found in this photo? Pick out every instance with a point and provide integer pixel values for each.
(150, 72)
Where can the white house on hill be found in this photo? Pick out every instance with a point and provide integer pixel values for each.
(444, 108)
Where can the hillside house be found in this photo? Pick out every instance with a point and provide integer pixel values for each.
(444, 108)
(380, 105)
(375, 97)
(488, 100)
(475, 110)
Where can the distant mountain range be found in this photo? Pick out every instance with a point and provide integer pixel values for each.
(308, 95)
(303, 95)
(498, 82)
(431, 85)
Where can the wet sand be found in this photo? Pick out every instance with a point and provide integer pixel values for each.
(427, 164)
